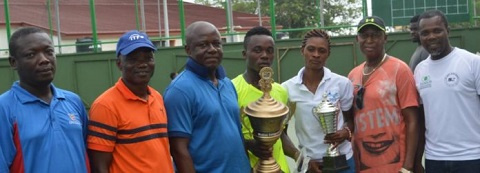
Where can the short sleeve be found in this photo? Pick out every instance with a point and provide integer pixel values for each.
(406, 91)
(7, 147)
(346, 99)
(283, 93)
(476, 72)
(179, 113)
(285, 86)
(416, 77)
(3, 163)
(102, 128)
(285, 96)
(83, 115)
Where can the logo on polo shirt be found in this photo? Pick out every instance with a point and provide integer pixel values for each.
(451, 79)
(73, 119)
(425, 82)
(333, 95)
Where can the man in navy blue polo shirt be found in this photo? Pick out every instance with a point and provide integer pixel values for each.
(42, 128)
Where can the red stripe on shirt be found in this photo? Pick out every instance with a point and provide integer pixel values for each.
(18, 166)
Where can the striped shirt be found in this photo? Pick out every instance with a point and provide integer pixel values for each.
(133, 129)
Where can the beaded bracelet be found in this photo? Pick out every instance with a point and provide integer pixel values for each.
(349, 133)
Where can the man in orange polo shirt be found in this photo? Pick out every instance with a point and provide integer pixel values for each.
(128, 123)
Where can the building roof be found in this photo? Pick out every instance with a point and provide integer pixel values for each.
(114, 17)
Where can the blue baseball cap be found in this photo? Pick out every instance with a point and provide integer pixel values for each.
(132, 40)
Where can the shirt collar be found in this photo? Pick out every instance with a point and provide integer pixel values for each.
(24, 96)
(127, 93)
(203, 71)
(327, 74)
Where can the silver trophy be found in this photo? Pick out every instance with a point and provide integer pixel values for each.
(326, 114)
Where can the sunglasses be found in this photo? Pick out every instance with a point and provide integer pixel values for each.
(359, 98)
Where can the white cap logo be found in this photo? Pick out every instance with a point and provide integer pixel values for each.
(135, 37)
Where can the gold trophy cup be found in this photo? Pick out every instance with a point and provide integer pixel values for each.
(267, 118)
(326, 114)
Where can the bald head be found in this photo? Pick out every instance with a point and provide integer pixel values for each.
(199, 28)
(204, 44)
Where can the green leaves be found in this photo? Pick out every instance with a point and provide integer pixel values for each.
(299, 13)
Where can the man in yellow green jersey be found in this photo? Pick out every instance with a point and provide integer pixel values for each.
(258, 52)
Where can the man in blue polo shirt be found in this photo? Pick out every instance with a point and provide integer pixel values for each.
(42, 128)
(203, 115)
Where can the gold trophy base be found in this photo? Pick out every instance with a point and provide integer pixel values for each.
(334, 164)
(267, 166)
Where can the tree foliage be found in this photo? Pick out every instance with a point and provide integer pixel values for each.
(212, 3)
(299, 13)
(477, 7)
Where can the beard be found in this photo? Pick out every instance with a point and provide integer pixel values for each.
(435, 53)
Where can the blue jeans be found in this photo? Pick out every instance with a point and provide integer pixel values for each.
(351, 164)
(445, 166)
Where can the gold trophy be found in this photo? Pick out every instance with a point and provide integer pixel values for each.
(267, 117)
(326, 113)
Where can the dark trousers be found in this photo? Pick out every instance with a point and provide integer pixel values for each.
(445, 166)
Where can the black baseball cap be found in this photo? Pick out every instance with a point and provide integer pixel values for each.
(372, 20)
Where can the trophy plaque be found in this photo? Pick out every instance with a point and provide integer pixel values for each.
(267, 117)
(326, 114)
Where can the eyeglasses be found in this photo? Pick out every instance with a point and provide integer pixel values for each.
(359, 98)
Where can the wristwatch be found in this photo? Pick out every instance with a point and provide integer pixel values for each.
(403, 170)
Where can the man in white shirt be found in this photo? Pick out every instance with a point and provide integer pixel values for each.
(448, 82)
